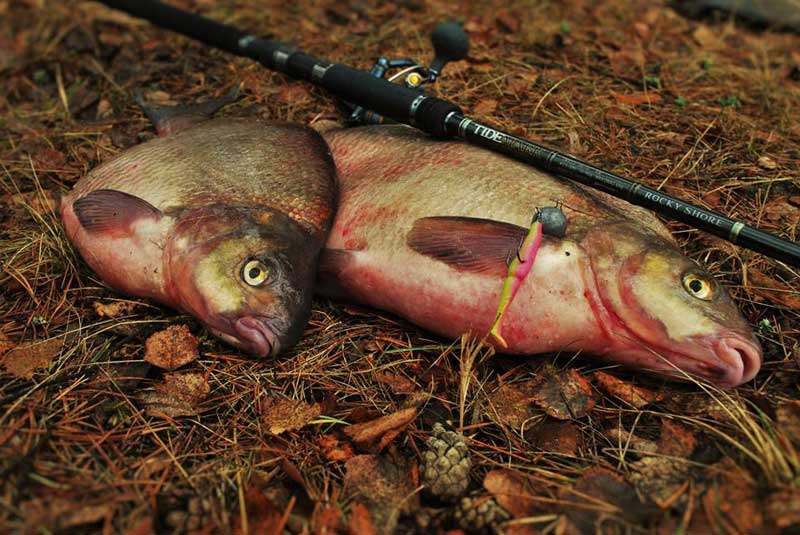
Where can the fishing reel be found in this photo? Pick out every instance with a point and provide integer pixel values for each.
(450, 43)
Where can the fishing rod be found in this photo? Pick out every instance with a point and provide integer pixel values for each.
(375, 97)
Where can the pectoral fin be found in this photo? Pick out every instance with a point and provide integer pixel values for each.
(112, 211)
(467, 243)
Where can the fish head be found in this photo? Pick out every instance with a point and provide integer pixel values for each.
(248, 275)
(665, 312)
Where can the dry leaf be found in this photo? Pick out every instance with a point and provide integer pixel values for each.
(294, 93)
(282, 414)
(635, 396)
(59, 514)
(113, 309)
(557, 437)
(705, 36)
(613, 498)
(177, 396)
(22, 360)
(773, 289)
(507, 20)
(171, 348)
(733, 500)
(333, 450)
(41, 202)
(263, 516)
(563, 394)
(386, 426)
(787, 415)
(516, 493)
(676, 440)
(766, 162)
(634, 99)
(6, 344)
(485, 106)
(783, 508)
(387, 489)
(511, 406)
(359, 522)
(398, 383)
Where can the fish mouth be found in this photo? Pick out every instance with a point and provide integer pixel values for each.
(742, 357)
(259, 337)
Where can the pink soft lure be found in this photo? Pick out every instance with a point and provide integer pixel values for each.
(518, 270)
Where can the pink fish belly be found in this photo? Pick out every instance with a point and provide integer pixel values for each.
(550, 312)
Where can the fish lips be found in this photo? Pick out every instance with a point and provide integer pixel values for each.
(252, 334)
(260, 337)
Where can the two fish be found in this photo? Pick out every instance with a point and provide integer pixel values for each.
(227, 220)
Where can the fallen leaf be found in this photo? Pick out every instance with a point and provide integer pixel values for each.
(732, 499)
(563, 394)
(333, 450)
(766, 162)
(113, 309)
(6, 344)
(612, 499)
(485, 106)
(676, 440)
(171, 348)
(575, 145)
(557, 437)
(281, 414)
(59, 514)
(705, 36)
(386, 426)
(40, 201)
(782, 508)
(635, 396)
(779, 209)
(511, 406)
(516, 493)
(294, 93)
(177, 396)
(773, 289)
(359, 522)
(263, 516)
(24, 359)
(787, 415)
(634, 99)
(387, 489)
(507, 20)
(396, 382)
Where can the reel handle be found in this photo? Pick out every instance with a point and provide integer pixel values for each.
(450, 43)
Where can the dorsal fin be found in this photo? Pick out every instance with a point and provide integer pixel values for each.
(171, 119)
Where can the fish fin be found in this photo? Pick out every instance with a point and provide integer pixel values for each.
(171, 119)
(467, 243)
(107, 210)
(331, 263)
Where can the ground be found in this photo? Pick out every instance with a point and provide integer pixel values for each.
(105, 428)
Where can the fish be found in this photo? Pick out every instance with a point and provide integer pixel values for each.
(223, 219)
(426, 229)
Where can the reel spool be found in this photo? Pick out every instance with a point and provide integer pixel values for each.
(450, 43)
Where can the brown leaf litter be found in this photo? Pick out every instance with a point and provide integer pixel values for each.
(23, 360)
(171, 348)
(179, 395)
(281, 415)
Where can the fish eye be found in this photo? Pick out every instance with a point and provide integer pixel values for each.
(254, 272)
(699, 286)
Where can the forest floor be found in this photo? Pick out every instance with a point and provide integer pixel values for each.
(98, 435)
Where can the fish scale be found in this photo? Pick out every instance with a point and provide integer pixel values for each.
(425, 229)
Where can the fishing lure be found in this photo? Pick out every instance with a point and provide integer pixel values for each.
(549, 220)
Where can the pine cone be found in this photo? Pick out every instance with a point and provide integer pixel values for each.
(446, 464)
(479, 515)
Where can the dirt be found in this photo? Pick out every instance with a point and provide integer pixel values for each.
(93, 438)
